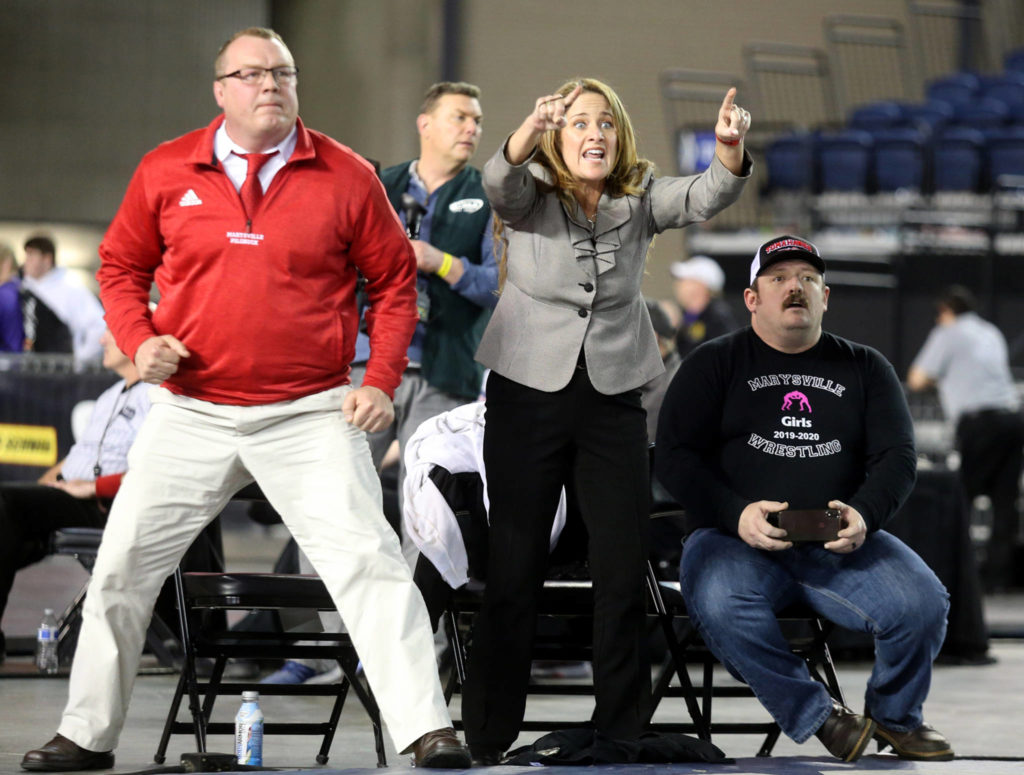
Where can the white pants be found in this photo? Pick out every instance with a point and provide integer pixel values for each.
(190, 457)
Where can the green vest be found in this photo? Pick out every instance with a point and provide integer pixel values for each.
(456, 324)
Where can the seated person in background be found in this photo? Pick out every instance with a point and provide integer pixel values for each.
(12, 332)
(76, 491)
(60, 314)
(697, 287)
(783, 415)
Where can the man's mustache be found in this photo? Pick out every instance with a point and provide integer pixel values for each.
(794, 300)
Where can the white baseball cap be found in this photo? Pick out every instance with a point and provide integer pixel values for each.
(704, 269)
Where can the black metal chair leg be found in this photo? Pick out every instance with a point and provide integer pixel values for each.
(769, 742)
(179, 690)
(350, 667)
(188, 667)
(458, 647)
(332, 722)
(689, 694)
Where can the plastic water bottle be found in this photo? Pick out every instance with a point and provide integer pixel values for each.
(249, 730)
(46, 644)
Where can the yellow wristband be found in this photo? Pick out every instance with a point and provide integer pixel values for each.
(446, 266)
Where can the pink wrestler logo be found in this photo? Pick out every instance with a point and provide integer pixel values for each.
(803, 404)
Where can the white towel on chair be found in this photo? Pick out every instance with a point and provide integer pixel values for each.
(453, 440)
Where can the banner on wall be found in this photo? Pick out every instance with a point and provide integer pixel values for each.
(37, 398)
(28, 445)
(694, 150)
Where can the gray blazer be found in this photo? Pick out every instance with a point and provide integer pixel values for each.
(570, 285)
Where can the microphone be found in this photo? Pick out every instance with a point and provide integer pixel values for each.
(414, 213)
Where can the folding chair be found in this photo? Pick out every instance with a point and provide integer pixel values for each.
(203, 600)
(201, 595)
(567, 596)
(83, 544)
(805, 631)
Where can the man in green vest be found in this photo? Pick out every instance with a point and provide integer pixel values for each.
(440, 200)
(442, 203)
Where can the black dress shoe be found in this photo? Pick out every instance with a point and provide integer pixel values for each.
(440, 749)
(62, 755)
(845, 734)
(485, 756)
(922, 744)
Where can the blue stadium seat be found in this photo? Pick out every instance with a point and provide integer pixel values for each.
(1006, 87)
(1016, 113)
(899, 160)
(1005, 152)
(877, 115)
(984, 113)
(958, 87)
(845, 161)
(1014, 61)
(957, 160)
(934, 114)
(790, 162)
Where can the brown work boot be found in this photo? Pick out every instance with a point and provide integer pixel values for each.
(845, 734)
(62, 755)
(922, 744)
(440, 749)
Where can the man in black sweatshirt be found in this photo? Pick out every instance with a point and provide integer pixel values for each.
(784, 416)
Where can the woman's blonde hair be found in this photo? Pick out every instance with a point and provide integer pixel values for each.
(626, 176)
(628, 170)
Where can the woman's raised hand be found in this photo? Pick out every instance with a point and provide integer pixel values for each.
(733, 121)
(549, 112)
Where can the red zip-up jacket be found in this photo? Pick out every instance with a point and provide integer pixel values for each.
(267, 309)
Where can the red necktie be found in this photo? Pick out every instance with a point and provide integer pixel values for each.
(251, 191)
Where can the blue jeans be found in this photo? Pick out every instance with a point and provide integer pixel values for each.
(733, 592)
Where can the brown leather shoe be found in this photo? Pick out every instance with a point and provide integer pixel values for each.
(62, 755)
(440, 749)
(845, 734)
(923, 743)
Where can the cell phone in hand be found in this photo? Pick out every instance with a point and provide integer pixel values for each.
(820, 525)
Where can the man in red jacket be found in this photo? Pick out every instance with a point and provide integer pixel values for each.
(253, 230)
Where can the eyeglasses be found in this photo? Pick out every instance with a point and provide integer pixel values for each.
(252, 76)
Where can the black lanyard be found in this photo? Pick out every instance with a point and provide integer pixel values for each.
(97, 470)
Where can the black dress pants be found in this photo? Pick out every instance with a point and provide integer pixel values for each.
(534, 443)
(29, 513)
(991, 445)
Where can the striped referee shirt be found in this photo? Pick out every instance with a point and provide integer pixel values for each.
(113, 425)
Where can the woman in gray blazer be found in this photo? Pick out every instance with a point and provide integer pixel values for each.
(569, 345)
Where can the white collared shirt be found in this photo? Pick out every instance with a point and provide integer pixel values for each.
(228, 153)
